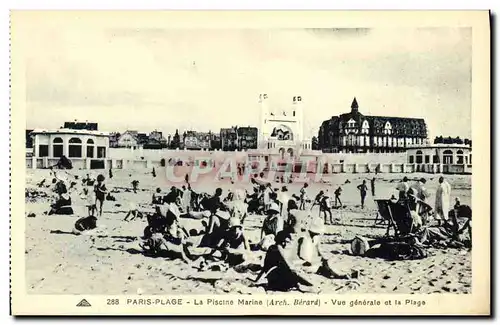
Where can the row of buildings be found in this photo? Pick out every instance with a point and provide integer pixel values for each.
(228, 139)
(351, 132)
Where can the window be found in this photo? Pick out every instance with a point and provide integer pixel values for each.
(101, 152)
(460, 157)
(447, 157)
(57, 147)
(411, 159)
(427, 159)
(435, 159)
(43, 150)
(387, 128)
(90, 148)
(419, 156)
(75, 148)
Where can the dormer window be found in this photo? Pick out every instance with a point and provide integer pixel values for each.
(365, 127)
(387, 128)
(351, 123)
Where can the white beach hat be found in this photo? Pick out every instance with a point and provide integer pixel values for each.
(225, 215)
(274, 207)
(317, 226)
(174, 209)
(359, 246)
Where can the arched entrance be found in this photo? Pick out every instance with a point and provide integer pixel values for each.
(57, 147)
(447, 157)
(75, 148)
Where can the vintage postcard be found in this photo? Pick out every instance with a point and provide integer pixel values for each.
(250, 163)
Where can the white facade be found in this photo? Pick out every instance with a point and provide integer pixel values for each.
(282, 131)
(70, 143)
(449, 156)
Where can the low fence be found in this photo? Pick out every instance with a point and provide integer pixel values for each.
(328, 168)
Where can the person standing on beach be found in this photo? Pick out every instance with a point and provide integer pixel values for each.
(442, 204)
(303, 197)
(362, 190)
(338, 191)
(100, 193)
(403, 188)
(372, 185)
(267, 196)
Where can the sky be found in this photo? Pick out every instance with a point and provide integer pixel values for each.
(205, 79)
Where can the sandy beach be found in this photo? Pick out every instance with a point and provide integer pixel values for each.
(108, 262)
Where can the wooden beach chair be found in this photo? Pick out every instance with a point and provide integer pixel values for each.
(384, 215)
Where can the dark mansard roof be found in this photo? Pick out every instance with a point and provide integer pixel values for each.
(400, 125)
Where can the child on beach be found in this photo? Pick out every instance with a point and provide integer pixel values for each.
(89, 200)
(100, 192)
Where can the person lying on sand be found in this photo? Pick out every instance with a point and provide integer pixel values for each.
(451, 231)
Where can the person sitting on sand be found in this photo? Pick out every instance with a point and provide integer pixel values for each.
(450, 230)
(237, 207)
(253, 201)
(307, 257)
(157, 198)
(273, 223)
(62, 205)
(218, 224)
(60, 186)
(234, 244)
(280, 274)
(173, 243)
(100, 193)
